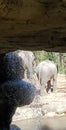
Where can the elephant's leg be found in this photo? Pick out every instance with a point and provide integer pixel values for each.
(48, 86)
(51, 88)
(43, 88)
(55, 83)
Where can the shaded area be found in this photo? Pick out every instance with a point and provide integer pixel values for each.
(33, 25)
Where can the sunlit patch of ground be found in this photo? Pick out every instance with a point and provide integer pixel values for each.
(61, 83)
(55, 123)
(48, 105)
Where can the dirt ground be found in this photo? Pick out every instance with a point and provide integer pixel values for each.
(49, 109)
(61, 83)
(49, 105)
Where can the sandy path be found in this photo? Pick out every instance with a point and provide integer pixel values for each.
(49, 109)
(52, 104)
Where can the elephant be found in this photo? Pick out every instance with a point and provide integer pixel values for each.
(29, 61)
(14, 94)
(46, 72)
(17, 62)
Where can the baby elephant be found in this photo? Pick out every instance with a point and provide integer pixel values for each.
(47, 75)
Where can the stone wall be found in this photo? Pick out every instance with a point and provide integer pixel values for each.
(33, 25)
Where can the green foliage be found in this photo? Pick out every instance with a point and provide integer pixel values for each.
(43, 55)
(39, 55)
(62, 70)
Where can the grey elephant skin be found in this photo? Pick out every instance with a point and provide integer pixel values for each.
(17, 62)
(46, 72)
(28, 60)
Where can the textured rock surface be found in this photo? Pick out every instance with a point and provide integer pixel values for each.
(33, 25)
